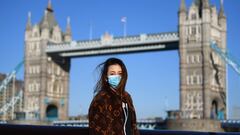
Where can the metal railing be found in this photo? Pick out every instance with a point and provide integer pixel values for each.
(59, 130)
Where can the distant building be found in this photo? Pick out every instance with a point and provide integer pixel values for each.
(6, 96)
(79, 117)
(173, 114)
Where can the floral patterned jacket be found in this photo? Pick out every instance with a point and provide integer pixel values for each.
(106, 114)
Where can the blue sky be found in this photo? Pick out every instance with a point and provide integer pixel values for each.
(153, 77)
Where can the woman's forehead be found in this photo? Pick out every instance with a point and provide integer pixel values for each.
(115, 67)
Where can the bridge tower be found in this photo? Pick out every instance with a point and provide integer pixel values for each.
(202, 73)
(46, 78)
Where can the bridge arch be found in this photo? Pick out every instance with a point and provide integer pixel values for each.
(214, 109)
(52, 112)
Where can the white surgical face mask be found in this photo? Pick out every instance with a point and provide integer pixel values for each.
(114, 80)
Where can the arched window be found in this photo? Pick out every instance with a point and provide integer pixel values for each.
(214, 110)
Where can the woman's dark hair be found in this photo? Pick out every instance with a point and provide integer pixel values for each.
(102, 83)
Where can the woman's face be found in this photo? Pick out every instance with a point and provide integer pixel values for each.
(114, 70)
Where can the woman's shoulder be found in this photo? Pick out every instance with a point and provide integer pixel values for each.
(127, 95)
(100, 96)
(97, 101)
(101, 93)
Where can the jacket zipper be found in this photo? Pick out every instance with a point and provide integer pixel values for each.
(125, 106)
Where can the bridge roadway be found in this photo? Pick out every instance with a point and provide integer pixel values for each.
(115, 45)
(7, 129)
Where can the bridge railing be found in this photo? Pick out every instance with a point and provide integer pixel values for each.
(141, 124)
(57, 130)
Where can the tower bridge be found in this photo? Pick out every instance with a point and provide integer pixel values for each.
(202, 73)
(48, 53)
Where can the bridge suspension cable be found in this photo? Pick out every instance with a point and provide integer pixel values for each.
(6, 81)
(227, 57)
(12, 102)
(3, 87)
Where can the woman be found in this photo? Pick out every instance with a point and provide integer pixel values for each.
(111, 111)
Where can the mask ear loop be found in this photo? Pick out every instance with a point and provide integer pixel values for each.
(106, 79)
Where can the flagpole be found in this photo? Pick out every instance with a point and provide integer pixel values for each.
(124, 21)
(125, 28)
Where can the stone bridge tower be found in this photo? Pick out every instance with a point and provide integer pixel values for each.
(46, 78)
(202, 72)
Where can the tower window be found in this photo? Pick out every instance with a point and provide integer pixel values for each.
(192, 82)
(199, 29)
(35, 34)
(188, 59)
(188, 80)
(198, 58)
(195, 79)
(194, 16)
(194, 31)
(193, 59)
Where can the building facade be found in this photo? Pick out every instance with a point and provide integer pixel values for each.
(46, 78)
(202, 72)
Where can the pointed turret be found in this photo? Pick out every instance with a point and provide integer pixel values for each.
(28, 31)
(45, 27)
(183, 6)
(68, 35)
(48, 19)
(221, 12)
(205, 11)
(182, 17)
(45, 24)
(182, 14)
(205, 4)
(49, 7)
(29, 23)
(202, 4)
(222, 20)
(68, 29)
